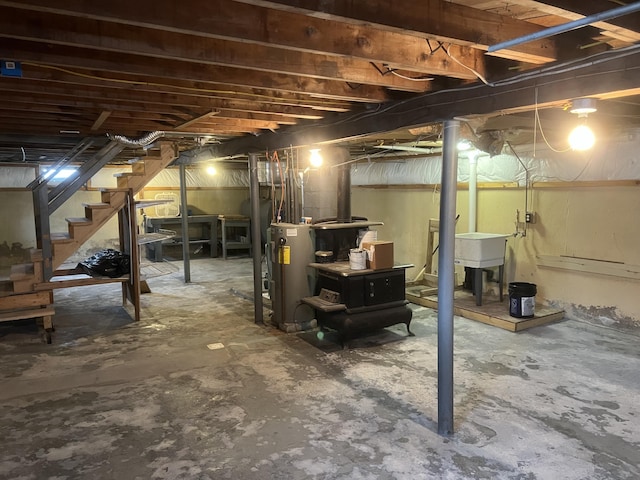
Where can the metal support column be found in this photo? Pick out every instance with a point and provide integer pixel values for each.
(446, 276)
(256, 243)
(184, 213)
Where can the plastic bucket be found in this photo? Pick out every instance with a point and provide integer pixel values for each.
(522, 299)
(357, 259)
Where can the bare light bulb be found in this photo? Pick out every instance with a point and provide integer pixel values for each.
(315, 158)
(581, 138)
(211, 170)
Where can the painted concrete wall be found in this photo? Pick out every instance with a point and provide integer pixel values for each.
(601, 223)
(17, 228)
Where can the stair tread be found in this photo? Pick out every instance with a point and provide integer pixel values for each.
(115, 189)
(128, 174)
(79, 220)
(97, 205)
(61, 238)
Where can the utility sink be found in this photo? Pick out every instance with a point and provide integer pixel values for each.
(480, 250)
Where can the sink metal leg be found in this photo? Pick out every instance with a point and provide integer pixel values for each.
(477, 285)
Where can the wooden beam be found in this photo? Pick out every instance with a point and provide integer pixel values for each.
(222, 19)
(74, 91)
(196, 120)
(100, 120)
(205, 89)
(158, 44)
(82, 59)
(437, 19)
(243, 123)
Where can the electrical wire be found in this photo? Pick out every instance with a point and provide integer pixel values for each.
(273, 189)
(416, 79)
(536, 124)
(544, 137)
(282, 186)
(476, 73)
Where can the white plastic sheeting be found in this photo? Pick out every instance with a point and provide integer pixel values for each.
(619, 160)
(17, 176)
(170, 177)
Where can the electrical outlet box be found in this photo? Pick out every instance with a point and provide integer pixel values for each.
(530, 217)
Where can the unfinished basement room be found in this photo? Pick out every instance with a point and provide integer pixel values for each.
(319, 239)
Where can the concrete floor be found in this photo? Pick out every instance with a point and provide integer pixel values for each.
(118, 400)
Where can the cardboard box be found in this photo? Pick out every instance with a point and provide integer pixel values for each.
(379, 254)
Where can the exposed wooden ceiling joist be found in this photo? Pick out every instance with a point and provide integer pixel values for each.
(220, 19)
(437, 19)
(151, 43)
(269, 66)
(608, 78)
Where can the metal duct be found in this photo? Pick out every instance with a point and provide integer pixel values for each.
(140, 142)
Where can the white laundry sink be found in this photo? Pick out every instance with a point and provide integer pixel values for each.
(479, 250)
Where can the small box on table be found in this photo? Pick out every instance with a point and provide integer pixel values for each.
(379, 254)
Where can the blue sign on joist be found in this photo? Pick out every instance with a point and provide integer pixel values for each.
(9, 68)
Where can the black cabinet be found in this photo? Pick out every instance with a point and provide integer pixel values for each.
(366, 289)
(384, 287)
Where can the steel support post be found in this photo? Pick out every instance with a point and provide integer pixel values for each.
(184, 212)
(256, 242)
(446, 276)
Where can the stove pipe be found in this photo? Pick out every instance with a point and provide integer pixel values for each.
(344, 194)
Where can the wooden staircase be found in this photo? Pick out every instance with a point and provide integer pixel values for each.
(80, 229)
(28, 293)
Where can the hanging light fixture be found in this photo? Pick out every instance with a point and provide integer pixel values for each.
(582, 137)
(315, 159)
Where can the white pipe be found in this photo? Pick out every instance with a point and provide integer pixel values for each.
(567, 27)
(473, 190)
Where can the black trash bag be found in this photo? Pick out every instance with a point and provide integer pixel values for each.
(106, 263)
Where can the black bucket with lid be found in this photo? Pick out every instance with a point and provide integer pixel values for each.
(522, 299)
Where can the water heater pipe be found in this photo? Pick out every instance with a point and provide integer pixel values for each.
(473, 190)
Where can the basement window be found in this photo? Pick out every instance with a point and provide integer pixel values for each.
(60, 175)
